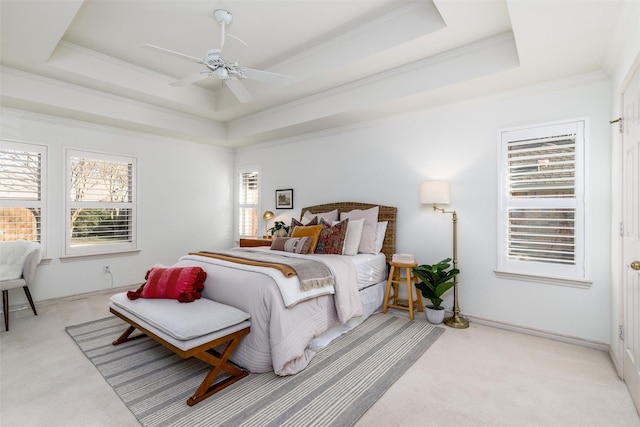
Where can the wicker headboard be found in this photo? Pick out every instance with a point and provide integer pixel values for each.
(387, 213)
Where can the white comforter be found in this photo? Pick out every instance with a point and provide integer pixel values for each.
(279, 335)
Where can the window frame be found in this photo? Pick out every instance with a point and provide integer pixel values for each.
(42, 150)
(238, 205)
(109, 248)
(568, 274)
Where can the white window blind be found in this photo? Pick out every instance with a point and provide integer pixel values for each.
(248, 201)
(101, 203)
(541, 212)
(22, 191)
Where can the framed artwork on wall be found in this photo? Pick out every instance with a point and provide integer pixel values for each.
(284, 199)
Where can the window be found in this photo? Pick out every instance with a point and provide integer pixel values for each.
(541, 201)
(100, 203)
(248, 200)
(22, 191)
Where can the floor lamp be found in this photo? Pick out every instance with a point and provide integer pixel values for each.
(436, 193)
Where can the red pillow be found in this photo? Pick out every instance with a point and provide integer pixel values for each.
(181, 283)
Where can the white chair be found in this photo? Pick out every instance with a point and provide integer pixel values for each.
(10, 253)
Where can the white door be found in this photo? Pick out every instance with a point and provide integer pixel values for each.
(631, 235)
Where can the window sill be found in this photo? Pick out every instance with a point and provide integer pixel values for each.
(79, 257)
(561, 281)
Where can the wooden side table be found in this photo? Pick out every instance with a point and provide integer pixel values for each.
(396, 279)
(252, 242)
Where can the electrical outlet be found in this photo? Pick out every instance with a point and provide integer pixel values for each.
(107, 269)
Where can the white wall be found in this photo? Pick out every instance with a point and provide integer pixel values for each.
(184, 201)
(384, 162)
(185, 195)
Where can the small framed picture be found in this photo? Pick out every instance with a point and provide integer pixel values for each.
(284, 199)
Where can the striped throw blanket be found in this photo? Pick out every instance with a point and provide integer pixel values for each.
(311, 274)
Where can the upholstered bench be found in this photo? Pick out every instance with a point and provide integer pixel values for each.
(189, 330)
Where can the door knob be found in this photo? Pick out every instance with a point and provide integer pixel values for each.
(635, 265)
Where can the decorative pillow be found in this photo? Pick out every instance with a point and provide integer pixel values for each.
(181, 283)
(310, 221)
(353, 236)
(368, 239)
(297, 245)
(295, 223)
(327, 216)
(382, 229)
(331, 240)
(312, 231)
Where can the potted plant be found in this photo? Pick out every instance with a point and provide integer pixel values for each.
(435, 279)
(279, 229)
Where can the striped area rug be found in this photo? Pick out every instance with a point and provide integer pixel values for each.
(339, 385)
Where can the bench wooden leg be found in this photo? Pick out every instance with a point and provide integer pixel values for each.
(125, 336)
(219, 364)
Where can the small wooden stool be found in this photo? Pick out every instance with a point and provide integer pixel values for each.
(395, 279)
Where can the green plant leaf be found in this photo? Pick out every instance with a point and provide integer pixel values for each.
(435, 279)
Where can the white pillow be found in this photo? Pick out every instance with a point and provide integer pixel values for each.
(329, 217)
(382, 229)
(368, 239)
(353, 236)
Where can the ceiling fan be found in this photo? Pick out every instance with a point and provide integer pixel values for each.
(229, 72)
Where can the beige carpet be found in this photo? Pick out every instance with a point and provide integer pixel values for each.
(479, 376)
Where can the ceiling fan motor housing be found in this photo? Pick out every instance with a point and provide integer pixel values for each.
(222, 68)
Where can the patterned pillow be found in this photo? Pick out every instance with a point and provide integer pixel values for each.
(331, 240)
(181, 283)
(295, 223)
(297, 245)
(312, 231)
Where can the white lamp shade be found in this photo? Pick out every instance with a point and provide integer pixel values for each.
(435, 192)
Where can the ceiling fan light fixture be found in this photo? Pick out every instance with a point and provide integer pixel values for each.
(222, 73)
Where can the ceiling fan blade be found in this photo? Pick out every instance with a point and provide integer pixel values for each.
(268, 77)
(171, 52)
(239, 90)
(191, 79)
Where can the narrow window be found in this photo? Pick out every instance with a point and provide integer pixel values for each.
(248, 201)
(541, 201)
(101, 203)
(22, 191)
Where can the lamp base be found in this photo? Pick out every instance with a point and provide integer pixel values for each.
(457, 322)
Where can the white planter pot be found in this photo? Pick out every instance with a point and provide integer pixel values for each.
(434, 316)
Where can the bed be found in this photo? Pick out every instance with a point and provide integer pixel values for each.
(285, 336)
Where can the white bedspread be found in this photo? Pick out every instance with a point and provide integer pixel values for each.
(290, 288)
(280, 335)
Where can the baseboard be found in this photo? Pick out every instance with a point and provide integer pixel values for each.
(540, 333)
(617, 364)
